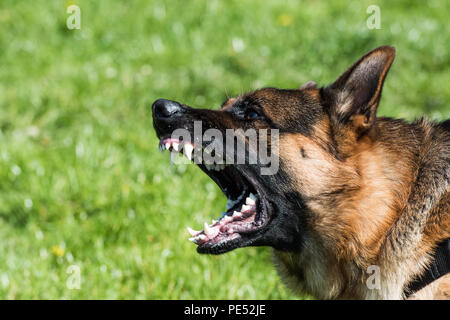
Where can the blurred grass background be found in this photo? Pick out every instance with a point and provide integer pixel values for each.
(81, 179)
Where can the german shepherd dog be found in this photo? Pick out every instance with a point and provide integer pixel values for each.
(355, 195)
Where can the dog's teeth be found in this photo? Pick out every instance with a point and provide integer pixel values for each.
(237, 214)
(208, 230)
(213, 222)
(167, 145)
(249, 201)
(193, 239)
(245, 208)
(175, 146)
(252, 196)
(188, 148)
(198, 238)
(192, 232)
(227, 219)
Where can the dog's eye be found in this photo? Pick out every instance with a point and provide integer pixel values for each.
(251, 114)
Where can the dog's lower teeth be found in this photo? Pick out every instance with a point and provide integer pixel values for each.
(208, 230)
(192, 232)
(198, 238)
(237, 214)
(249, 201)
(227, 224)
(193, 239)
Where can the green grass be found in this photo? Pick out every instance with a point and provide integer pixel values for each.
(81, 179)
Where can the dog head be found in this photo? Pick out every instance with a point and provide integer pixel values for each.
(317, 131)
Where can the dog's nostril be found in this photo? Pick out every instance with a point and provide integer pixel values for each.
(163, 108)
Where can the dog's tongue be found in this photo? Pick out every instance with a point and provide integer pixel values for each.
(228, 224)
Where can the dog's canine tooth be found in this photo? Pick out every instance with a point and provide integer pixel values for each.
(188, 148)
(208, 230)
(201, 237)
(245, 208)
(167, 145)
(249, 201)
(192, 232)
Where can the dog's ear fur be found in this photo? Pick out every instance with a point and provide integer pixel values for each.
(353, 98)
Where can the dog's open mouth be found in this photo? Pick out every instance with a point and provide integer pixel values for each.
(247, 209)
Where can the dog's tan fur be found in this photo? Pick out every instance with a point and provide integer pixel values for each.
(387, 212)
(355, 193)
(348, 231)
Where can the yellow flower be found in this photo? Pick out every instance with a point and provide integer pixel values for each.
(284, 20)
(58, 251)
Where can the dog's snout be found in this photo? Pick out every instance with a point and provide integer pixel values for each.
(163, 108)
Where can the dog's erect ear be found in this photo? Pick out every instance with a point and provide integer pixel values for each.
(353, 98)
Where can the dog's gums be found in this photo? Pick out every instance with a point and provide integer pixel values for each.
(245, 213)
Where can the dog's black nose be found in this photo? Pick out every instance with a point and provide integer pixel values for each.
(163, 108)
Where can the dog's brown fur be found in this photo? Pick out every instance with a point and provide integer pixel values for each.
(364, 223)
(377, 189)
(353, 191)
